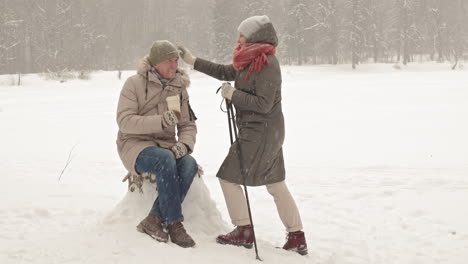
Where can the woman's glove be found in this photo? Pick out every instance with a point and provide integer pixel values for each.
(227, 90)
(186, 55)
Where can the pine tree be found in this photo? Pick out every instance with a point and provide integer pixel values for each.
(58, 35)
(375, 17)
(327, 25)
(436, 10)
(407, 30)
(225, 24)
(195, 28)
(356, 30)
(297, 31)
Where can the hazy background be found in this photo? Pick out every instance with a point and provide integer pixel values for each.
(376, 158)
(87, 35)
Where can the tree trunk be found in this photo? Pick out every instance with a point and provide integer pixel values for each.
(27, 55)
(299, 54)
(354, 34)
(456, 62)
(376, 50)
(404, 31)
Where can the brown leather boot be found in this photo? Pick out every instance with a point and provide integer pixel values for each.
(152, 226)
(240, 236)
(179, 236)
(296, 242)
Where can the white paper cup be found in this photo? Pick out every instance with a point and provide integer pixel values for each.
(173, 103)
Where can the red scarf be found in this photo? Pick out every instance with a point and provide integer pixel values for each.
(254, 54)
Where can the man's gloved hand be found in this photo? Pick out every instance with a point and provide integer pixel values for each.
(179, 150)
(227, 90)
(169, 119)
(186, 55)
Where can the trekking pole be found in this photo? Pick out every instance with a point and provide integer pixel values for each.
(233, 127)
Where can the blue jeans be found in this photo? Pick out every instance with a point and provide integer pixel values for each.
(173, 178)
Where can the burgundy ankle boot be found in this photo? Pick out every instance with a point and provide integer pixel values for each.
(296, 242)
(240, 236)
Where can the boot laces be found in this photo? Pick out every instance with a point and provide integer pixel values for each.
(234, 233)
(238, 233)
(291, 235)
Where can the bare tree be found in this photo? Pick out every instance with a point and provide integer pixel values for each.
(225, 26)
(375, 17)
(81, 35)
(356, 30)
(325, 23)
(457, 37)
(298, 29)
(9, 38)
(439, 25)
(407, 30)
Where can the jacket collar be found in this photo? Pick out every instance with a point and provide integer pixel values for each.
(181, 79)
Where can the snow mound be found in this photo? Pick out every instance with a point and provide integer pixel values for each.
(200, 213)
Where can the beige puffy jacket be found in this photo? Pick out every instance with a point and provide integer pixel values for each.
(139, 114)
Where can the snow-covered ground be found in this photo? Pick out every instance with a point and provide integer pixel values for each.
(377, 160)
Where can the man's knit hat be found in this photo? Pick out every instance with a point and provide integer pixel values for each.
(252, 24)
(162, 50)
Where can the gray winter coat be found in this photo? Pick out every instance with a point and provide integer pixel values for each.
(259, 118)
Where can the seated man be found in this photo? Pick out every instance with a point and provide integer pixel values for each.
(152, 104)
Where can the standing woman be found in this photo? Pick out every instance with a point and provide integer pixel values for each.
(256, 96)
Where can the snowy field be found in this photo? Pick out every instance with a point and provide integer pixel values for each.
(377, 160)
